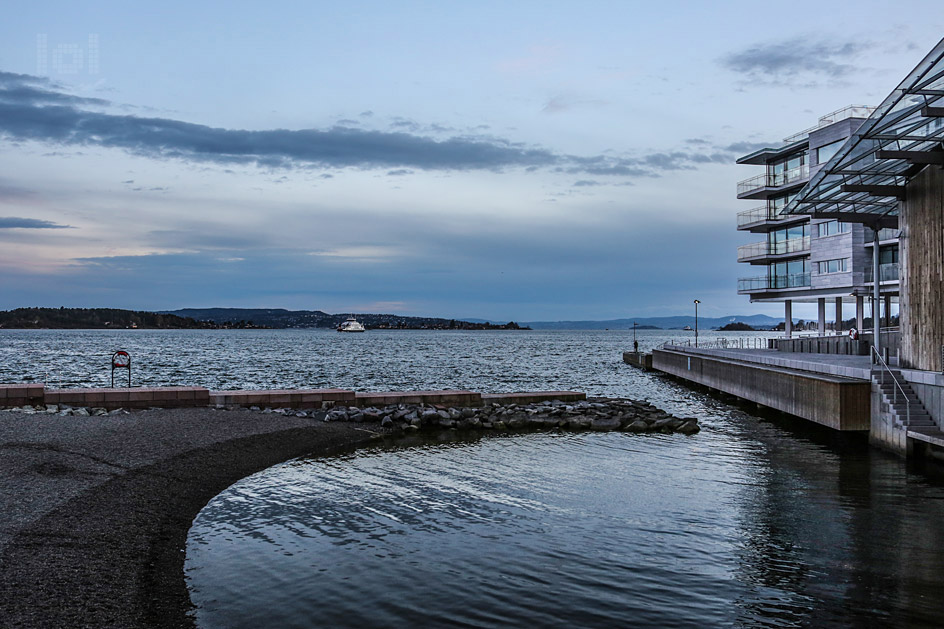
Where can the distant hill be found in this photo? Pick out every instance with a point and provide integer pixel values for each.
(758, 322)
(100, 318)
(281, 318)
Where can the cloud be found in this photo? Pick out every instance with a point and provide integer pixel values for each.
(35, 109)
(582, 183)
(746, 147)
(13, 222)
(785, 62)
(400, 172)
(559, 104)
(13, 193)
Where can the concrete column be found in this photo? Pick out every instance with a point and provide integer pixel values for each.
(821, 321)
(876, 305)
(838, 315)
(860, 312)
(788, 318)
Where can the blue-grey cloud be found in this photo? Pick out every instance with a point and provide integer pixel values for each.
(15, 222)
(13, 193)
(782, 61)
(33, 108)
(586, 183)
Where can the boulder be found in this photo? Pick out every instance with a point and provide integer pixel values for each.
(604, 423)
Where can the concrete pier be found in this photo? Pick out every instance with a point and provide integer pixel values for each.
(840, 391)
(638, 359)
(830, 394)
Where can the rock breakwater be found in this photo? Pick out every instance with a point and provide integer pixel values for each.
(601, 414)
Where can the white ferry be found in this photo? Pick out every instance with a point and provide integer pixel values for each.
(351, 325)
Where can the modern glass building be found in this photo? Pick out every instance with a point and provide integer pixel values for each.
(804, 259)
(890, 174)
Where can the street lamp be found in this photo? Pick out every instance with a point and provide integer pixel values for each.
(696, 322)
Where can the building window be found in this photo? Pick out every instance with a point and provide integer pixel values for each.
(832, 266)
(888, 254)
(824, 153)
(790, 274)
(776, 204)
(831, 228)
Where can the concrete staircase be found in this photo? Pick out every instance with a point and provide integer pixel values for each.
(918, 420)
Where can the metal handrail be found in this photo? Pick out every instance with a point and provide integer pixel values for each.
(744, 342)
(885, 368)
(779, 248)
(773, 180)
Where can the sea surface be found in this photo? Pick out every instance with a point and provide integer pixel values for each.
(755, 521)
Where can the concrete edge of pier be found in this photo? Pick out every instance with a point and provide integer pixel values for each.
(185, 397)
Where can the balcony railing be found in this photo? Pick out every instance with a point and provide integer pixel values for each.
(885, 233)
(849, 111)
(760, 249)
(773, 282)
(759, 214)
(772, 180)
(886, 273)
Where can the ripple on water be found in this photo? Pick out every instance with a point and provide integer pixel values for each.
(551, 529)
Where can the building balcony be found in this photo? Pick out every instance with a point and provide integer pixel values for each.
(886, 273)
(763, 250)
(763, 186)
(766, 283)
(886, 233)
(763, 215)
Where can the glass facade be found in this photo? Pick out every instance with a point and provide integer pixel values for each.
(787, 164)
(823, 153)
(790, 273)
(888, 254)
(775, 204)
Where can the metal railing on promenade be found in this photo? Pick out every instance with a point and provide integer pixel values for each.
(883, 369)
(759, 342)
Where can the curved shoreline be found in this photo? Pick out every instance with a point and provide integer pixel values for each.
(112, 553)
(95, 510)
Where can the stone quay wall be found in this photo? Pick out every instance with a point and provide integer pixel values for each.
(109, 399)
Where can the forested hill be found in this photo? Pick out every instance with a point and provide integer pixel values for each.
(101, 318)
(281, 318)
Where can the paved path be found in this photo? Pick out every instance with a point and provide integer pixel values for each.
(833, 364)
(94, 511)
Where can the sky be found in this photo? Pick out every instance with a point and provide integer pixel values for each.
(498, 160)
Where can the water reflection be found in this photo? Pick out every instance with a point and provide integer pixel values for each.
(753, 523)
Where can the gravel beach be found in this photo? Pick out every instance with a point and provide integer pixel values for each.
(94, 511)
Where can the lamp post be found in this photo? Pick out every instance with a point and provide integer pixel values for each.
(696, 322)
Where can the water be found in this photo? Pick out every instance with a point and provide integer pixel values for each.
(755, 521)
(379, 360)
